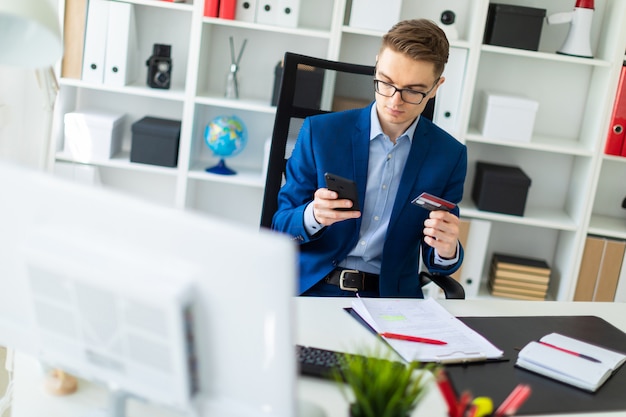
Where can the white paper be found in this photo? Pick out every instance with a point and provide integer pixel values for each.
(425, 318)
(568, 368)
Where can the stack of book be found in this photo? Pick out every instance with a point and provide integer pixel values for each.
(519, 277)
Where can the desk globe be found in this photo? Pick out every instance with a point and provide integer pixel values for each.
(226, 136)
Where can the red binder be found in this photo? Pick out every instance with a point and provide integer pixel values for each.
(615, 143)
(211, 8)
(227, 9)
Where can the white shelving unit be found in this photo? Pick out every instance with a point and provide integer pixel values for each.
(201, 60)
(576, 190)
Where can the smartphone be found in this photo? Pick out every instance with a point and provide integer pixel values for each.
(430, 202)
(345, 188)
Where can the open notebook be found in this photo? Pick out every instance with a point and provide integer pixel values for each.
(569, 360)
(424, 319)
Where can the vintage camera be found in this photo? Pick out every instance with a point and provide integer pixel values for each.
(448, 17)
(160, 66)
(447, 23)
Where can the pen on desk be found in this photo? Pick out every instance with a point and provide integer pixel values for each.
(418, 339)
(571, 352)
(514, 401)
(447, 392)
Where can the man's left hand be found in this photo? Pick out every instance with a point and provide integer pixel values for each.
(441, 231)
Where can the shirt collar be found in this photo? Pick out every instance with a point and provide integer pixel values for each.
(376, 129)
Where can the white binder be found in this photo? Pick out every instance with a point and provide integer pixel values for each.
(246, 10)
(475, 255)
(447, 103)
(375, 14)
(121, 44)
(287, 13)
(471, 273)
(267, 12)
(95, 41)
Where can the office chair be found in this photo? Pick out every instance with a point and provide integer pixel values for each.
(303, 92)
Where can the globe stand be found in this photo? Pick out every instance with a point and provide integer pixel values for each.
(221, 169)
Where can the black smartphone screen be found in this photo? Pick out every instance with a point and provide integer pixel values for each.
(345, 188)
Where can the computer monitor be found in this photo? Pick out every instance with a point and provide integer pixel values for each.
(174, 307)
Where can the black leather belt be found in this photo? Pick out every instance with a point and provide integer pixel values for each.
(353, 280)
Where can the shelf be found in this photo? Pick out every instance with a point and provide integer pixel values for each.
(310, 33)
(245, 176)
(379, 34)
(483, 293)
(614, 227)
(538, 143)
(545, 56)
(175, 93)
(614, 158)
(256, 105)
(120, 161)
(536, 217)
(184, 6)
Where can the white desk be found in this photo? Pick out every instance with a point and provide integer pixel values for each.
(322, 323)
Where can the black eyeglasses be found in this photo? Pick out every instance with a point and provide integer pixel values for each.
(406, 94)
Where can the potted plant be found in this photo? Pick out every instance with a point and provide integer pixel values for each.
(377, 385)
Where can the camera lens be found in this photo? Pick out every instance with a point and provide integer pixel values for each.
(161, 79)
(447, 17)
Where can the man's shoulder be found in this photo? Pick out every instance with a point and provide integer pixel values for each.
(430, 128)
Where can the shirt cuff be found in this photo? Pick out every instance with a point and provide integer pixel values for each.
(447, 262)
(310, 224)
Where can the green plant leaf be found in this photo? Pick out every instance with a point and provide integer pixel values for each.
(377, 385)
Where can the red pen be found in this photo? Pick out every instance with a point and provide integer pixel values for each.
(571, 352)
(514, 401)
(448, 393)
(412, 338)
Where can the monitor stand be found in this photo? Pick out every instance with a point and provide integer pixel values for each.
(116, 405)
(308, 408)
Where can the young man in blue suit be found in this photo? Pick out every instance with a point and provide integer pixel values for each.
(393, 155)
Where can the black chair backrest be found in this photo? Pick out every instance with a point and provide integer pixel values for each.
(311, 86)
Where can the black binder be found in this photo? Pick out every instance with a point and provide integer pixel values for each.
(497, 380)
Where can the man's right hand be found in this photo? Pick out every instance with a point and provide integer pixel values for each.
(325, 203)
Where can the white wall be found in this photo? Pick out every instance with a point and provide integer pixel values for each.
(22, 114)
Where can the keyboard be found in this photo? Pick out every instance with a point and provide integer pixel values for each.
(323, 363)
(320, 363)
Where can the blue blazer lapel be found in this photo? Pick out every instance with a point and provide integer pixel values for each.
(420, 146)
(360, 145)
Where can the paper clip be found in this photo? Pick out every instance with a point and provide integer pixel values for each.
(461, 357)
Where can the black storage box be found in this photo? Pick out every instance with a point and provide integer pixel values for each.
(500, 188)
(514, 26)
(155, 141)
(309, 83)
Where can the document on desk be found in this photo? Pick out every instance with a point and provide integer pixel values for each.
(424, 319)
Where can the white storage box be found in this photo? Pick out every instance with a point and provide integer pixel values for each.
(507, 117)
(375, 14)
(92, 135)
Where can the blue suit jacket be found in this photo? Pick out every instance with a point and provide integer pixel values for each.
(339, 143)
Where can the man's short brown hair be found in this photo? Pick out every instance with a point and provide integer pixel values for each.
(421, 40)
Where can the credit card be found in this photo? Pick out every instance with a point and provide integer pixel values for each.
(430, 202)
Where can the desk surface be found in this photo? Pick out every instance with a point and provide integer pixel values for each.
(322, 322)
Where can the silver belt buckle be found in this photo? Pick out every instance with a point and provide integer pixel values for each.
(350, 271)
